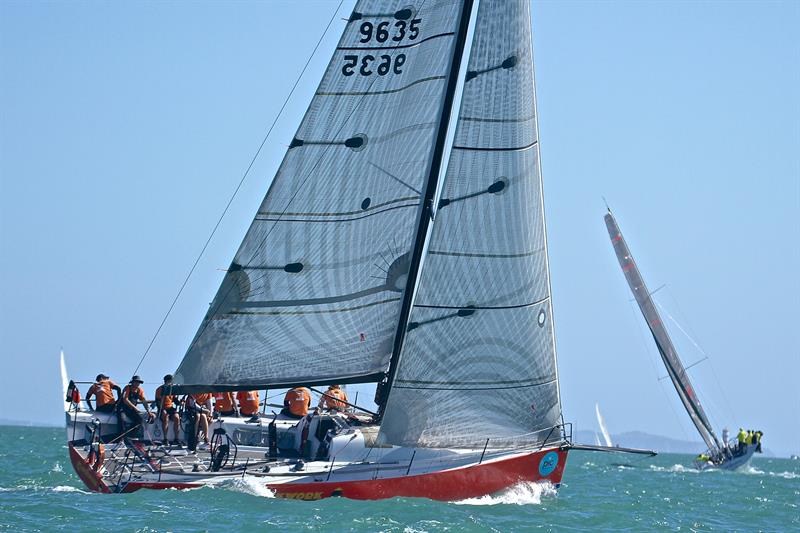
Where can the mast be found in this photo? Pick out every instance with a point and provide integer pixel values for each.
(427, 207)
(675, 368)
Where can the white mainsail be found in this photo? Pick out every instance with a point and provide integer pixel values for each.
(602, 424)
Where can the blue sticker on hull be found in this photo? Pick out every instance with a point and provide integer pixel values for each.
(548, 463)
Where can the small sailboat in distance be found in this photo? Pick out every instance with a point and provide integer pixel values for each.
(602, 424)
(723, 455)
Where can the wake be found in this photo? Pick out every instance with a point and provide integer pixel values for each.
(526, 493)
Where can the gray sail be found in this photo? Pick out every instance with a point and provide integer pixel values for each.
(314, 292)
(479, 360)
(669, 356)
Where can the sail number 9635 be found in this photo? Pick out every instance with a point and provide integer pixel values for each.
(380, 32)
(369, 64)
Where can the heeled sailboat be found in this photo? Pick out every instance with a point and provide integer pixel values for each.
(720, 454)
(385, 251)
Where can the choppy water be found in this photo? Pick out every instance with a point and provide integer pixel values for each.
(601, 492)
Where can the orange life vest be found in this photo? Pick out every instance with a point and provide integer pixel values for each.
(248, 402)
(169, 400)
(134, 395)
(298, 400)
(201, 398)
(333, 399)
(223, 402)
(103, 390)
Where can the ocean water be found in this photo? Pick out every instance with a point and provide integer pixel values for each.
(601, 492)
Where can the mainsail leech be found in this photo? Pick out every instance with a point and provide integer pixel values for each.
(675, 369)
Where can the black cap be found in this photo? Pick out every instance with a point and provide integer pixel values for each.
(135, 379)
(100, 376)
(168, 377)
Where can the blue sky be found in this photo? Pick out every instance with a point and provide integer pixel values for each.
(124, 128)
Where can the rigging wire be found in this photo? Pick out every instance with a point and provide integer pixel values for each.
(236, 190)
(691, 338)
(648, 349)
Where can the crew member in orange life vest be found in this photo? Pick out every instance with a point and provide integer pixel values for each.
(132, 395)
(296, 402)
(334, 399)
(103, 388)
(224, 405)
(168, 408)
(248, 402)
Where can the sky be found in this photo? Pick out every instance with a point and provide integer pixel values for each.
(125, 128)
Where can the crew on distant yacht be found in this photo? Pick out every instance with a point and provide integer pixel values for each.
(103, 389)
(742, 438)
(297, 402)
(224, 404)
(335, 398)
(132, 395)
(167, 405)
(248, 402)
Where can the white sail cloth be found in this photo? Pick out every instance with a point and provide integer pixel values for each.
(313, 294)
(478, 361)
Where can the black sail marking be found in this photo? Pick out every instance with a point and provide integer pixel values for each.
(356, 142)
(508, 63)
(495, 188)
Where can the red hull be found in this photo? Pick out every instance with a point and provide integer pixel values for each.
(447, 485)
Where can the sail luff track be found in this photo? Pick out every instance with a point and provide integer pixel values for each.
(673, 364)
(427, 207)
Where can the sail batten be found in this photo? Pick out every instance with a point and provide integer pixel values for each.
(669, 356)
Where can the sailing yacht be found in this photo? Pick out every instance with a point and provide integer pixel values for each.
(720, 454)
(385, 251)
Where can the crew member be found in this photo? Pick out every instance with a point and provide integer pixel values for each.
(759, 434)
(132, 395)
(201, 403)
(297, 402)
(224, 404)
(168, 408)
(103, 388)
(248, 402)
(335, 398)
(741, 437)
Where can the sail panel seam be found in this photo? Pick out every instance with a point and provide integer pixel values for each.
(261, 218)
(492, 256)
(488, 149)
(388, 91)
(518, 306)
(399, 46)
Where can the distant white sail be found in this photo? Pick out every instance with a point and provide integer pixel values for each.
(596, 439)
(602, 424)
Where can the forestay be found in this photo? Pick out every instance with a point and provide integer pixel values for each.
(479, 360)
(675, 369)
(314, 291)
